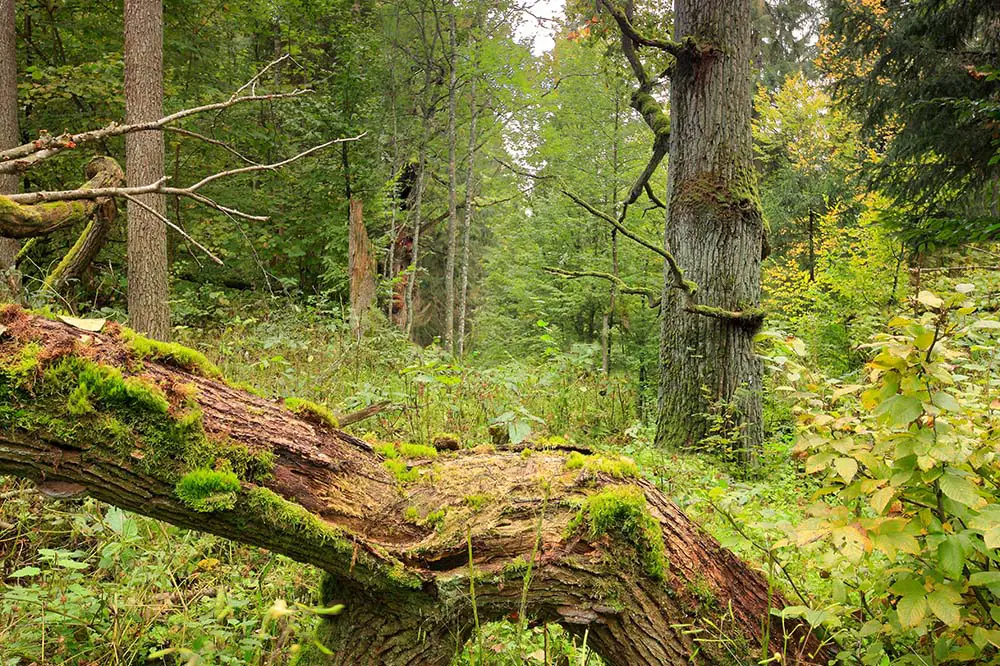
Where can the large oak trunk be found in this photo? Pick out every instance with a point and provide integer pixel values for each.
(153, 429)
(714, 230)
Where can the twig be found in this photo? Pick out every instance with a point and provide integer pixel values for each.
(173, 226)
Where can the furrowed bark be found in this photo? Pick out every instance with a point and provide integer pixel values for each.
(148, 278)
(149, 419)
(715, 231)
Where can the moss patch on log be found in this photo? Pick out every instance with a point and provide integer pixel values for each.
(312, 411)
(86, 403)
(621, 512)
(619, 467)
(169, 353)
(208, 490)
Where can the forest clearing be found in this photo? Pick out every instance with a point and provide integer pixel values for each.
(483, 332)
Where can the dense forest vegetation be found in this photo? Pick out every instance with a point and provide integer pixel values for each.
(479, 332)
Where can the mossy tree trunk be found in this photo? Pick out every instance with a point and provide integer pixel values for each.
(152, 428)
(715, 231)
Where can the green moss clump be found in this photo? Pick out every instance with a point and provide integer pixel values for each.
(26, 365)
(208, 490)
(619, 467)
(434, 519)
(91, 382)
(412, 514)
(417, 451)
(516, 568)
(621, 511)
(477, 502)
(308, 408)
(401, 470)
(386, 450)
(170, 353)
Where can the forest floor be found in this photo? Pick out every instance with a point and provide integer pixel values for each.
(91, 584)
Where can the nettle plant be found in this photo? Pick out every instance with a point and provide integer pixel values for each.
(909, 515)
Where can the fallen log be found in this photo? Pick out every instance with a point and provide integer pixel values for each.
(153, 428)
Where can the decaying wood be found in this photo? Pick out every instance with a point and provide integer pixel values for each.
(21, 217)
(396, 552)
(361, 268)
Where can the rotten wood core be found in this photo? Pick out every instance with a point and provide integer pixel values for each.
(404, 575)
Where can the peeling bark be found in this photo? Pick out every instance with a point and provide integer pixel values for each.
(361, 267)
(324, 497)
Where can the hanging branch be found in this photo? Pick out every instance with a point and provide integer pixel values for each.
(652, 297)
(751, 318)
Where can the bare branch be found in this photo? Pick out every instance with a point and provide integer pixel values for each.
(269, 167)
(215, 142)
(23, 157)
(160, 187)
(173, 226)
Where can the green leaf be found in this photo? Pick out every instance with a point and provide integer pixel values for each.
(946, 401)
(24, 572)
(912, 610)
(899, 410)
(951, 557)
(943, 602)
(881, 498)
(984, 578)
(960, 489)
(846, 468)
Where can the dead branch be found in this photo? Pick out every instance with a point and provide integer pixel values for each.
(23, 157)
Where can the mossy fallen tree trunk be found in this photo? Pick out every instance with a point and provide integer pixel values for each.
(153, 428)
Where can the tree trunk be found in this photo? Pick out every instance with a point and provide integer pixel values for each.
(152, 429)
(449, 278)
(10, 281)
(362, 270)
(715, 232)
(463, 299)
(148, 284)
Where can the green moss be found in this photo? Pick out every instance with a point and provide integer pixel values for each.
(91, 382)
(386, 450)
(621, 511)
(401, 470)
(131, 414)
(652, 111)
(417, 451)
(526, 453)
(308, 408)
(435, 519)
(170, 353)
(412, 514)
(516, 568)
(208, 490)
(619, 467)
(477, 502)
(25, 366)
